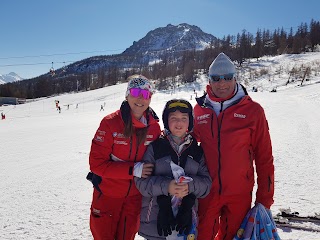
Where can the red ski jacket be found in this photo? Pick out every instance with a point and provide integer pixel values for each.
(113, 155)
(232, 143)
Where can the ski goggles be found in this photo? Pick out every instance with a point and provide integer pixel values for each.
(137, 92)
(216, 78)
(182, 106)
(177, 104)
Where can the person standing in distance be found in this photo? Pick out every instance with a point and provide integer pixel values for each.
(115, 159)
(234, 135)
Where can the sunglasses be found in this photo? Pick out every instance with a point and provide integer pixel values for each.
(216, 78)
(137, 92)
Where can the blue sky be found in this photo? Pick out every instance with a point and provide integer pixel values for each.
(36, 33)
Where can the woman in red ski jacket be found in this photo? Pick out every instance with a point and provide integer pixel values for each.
(116, 151)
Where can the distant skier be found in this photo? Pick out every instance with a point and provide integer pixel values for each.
(57, 103)
(101, 108)
(3, 116)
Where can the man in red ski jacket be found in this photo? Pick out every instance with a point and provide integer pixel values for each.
(234, 135)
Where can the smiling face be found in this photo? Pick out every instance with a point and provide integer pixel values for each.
(223, 88)
(138, 105)
(178, 123)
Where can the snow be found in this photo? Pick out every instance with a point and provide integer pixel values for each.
(44, 155)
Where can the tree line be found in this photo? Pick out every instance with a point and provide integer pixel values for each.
(174, 68)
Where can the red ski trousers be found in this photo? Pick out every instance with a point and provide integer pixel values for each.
(114, 218)
(220, 217)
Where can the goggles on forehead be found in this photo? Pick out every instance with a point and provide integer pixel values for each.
(216, 78)
(177, 104)
(137, 92)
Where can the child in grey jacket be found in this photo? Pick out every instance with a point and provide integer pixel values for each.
(179, 177)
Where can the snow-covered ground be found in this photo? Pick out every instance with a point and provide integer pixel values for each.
(44, 155)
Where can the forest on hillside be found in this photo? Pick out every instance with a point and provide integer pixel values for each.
(174, 67)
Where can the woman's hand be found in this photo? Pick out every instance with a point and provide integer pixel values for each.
(147, 170)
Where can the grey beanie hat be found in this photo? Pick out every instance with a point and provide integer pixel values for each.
(222, 65)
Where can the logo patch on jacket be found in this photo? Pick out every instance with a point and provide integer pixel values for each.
(239, 115)
(203, 117)
(102, 133)
(119, 135)
(120, 142)
(99, 138)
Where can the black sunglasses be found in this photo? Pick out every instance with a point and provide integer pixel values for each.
(216, 78)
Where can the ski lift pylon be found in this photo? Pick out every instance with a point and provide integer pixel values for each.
(52, 72)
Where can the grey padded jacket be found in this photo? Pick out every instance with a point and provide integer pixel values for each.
(161, 152)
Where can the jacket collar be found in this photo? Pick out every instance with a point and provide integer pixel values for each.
(242, 91)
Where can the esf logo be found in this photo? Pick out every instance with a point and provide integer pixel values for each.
(202, 117)
(238, 115)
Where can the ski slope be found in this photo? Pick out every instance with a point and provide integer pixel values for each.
(44, 157)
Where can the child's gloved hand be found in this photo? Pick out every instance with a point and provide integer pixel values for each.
(184, 216)
(165, 219)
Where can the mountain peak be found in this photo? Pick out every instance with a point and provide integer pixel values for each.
(174, 38)
(10, 77)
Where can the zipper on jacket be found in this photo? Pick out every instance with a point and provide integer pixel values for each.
(219, 153)
(124, 228)
(130, 147)
(212, 116)
(179, 154)
(221, 105)
(130, 181)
